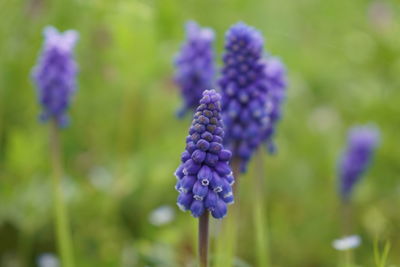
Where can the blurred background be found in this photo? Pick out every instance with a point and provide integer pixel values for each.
(124, 141)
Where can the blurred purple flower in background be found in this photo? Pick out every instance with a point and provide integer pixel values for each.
(244, 91)
(381, 15)
(361, 144)
(205, 178)
(276, 84)
(195, 65)
(55, 74)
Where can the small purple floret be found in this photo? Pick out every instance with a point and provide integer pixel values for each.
(361, 144)
(55, 74)
(195, 65)
(220, 209)
(204, 177)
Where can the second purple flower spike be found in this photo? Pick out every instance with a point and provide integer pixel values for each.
(55, 74)
(244, 92)
(204, 177)
(276, 83)
(195, 65)
(361, 144)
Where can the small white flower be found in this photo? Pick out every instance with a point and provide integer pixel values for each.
(48, 260)
(163, 215)
(347, 242)
(101, 178)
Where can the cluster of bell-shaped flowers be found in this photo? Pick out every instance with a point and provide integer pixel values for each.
(205, 178)
(276, 82)
(361, 144)
(244, 92)
(55, 74)
(194, 65)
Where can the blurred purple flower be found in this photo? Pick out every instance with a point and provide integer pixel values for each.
(276, 83)
(204, 177)
(55, 74)
(381, 15)
(361, 144)
(244, 91)
(195, 65)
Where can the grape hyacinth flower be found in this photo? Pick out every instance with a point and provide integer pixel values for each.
(243, 85)
(204, 177)
(361, 144)
(276, 83)
(55, 74)
(195, 65)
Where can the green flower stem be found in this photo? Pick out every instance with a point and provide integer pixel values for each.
(62, 229)
(236, 174)
(227, 241)
(347, 255)
(203, 239)
(260, 220)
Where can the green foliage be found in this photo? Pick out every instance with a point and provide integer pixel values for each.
(124, 142)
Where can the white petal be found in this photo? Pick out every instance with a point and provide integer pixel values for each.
(347, 242)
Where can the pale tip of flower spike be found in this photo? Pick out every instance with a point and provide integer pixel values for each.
(347, 242)
(195, 31)
(62, 40)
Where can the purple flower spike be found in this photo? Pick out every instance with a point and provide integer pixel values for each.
(361, 144)
(244, 89)
(55, 74)
(204, 177)
(195, 65)
(276, 83)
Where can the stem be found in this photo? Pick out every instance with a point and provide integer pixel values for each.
(62, 229)
(346, 217)
(203, 239)
(25, 246)
(227, 242)
(236, 175)
(260, 221)
(348, 260)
